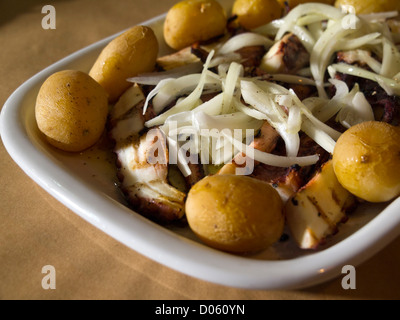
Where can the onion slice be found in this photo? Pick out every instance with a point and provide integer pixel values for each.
(391, 86)
(153, 78)
(242, 40)
(189, 102)
(272, 159)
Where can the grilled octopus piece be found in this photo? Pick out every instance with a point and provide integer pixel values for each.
(143, 172)
(142, 161)
(287, 181)
(286, 56)
(386, 107)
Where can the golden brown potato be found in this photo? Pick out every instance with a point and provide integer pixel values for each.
(190, 21)
(234, 213)
(255, 13)
(133, 52)
(366, 161)
(370, 6)
(294, 3)
(71, 110)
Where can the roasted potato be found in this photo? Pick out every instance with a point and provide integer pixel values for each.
(370, 6)
(190, 21)
(133, 52)
(366, 161)
(255, 13)
(237, 214)
(71, 110)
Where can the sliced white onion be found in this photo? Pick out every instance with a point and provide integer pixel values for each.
(212, 107)
(326, 11)
(249, 111)
(316, 29)
(270, 29)
(305, 72)
(225, 59)
(352, 44)
(341, 88)
(231, 82)
(271, 159)
(177, 156)
(170, 125)
(261, 101)
(305, 36)
(154, 92)
(391, 86)
(233, 121)
(319, 125)
(310, 19)
(386, 87)
(391, 59)
(375, 65)
(325, 109)
(292, 79)
(223, 151)
(323, 51)
(189, 102)
(357, 112)
(294, 119)
(244, 40)
(319, 136)
(379, 16)
(321, 108)
(154, 78)
(270, 87)
(173, 89)
(197, 92)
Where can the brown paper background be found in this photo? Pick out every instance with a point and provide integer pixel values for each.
(36, 230)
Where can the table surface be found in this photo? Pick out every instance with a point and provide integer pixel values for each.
(36, 230)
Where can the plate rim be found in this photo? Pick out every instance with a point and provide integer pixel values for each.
(187, 257)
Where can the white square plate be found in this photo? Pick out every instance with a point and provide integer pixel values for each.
(85, 183)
